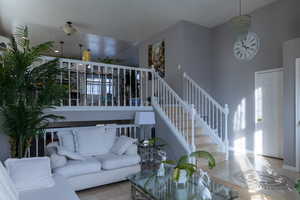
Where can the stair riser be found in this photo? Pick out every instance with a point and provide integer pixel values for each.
(203, 140)
(209, 148)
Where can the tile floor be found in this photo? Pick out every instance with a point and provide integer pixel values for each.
(225, 173)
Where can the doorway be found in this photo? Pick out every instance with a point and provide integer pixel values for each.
(268, 138)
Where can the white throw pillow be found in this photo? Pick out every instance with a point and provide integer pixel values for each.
(132, 150)
(66, 140)
(94, 140)
(69, 154)
(30, 173)
(8, 190)
(57, 160)
(122, 144)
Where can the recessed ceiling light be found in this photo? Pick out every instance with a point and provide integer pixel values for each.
(56, 51)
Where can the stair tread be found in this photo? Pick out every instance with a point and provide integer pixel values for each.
(208, 147)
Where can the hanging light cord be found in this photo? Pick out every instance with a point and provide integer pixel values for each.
(240, 7)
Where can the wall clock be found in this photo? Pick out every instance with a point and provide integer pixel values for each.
(246, 48)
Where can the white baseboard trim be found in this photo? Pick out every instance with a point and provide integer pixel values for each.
(291, 168)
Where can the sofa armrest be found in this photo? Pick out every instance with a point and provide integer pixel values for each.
(132, 150)
(52, 148)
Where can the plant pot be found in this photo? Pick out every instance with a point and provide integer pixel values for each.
(181, 194)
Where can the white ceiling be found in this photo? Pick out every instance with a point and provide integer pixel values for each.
(124, 20)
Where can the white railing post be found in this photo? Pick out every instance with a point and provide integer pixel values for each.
(226, 112)
(184, 80)
(193, 113)
(193, 145)
(152, 84)
(61, 80)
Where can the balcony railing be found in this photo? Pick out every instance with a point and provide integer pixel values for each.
(100, 84)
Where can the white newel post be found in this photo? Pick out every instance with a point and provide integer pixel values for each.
(226, 111)
(193, 113)
(61, 79)
(184, 87)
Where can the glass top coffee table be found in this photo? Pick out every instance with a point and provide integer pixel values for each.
(146, 185)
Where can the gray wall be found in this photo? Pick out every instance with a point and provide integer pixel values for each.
(173, 148)
(129, 57)
(234, 80)
(187, 45)
(172, 53)
(291, 51)
(196, 52)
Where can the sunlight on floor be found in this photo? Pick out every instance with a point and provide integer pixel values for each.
(240, 146)
(258, 142)
(239, 121)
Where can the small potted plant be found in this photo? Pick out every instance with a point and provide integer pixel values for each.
(184, 168)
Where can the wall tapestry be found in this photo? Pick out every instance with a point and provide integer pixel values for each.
(156, 57)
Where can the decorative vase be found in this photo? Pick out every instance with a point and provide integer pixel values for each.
(204, 179)
(181, 193)
(204, 192)
(161, 170)
(203, 184)
(182, 177)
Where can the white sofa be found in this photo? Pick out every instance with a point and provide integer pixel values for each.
(100, 165)
(61, 190)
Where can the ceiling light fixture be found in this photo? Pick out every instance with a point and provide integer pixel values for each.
(80, 50)
(241, 23)
(69, 29)
(61, 48)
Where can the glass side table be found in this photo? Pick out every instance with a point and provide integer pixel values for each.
(149, 156)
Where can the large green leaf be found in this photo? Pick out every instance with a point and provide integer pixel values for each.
(207, 155)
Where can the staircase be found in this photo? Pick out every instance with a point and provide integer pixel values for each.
(197, 120)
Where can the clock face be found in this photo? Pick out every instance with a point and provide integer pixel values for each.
(247, 47)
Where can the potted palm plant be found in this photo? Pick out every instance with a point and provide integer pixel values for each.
(27, 88)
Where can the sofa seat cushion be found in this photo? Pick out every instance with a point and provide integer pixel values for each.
(112, 161)
(62, 190)
(78, 167)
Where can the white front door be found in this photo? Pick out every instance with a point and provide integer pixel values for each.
(268, 138)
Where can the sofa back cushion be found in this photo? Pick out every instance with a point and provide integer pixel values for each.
(94, 140)
(30, 173)
(66, 140)
(8, 190)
